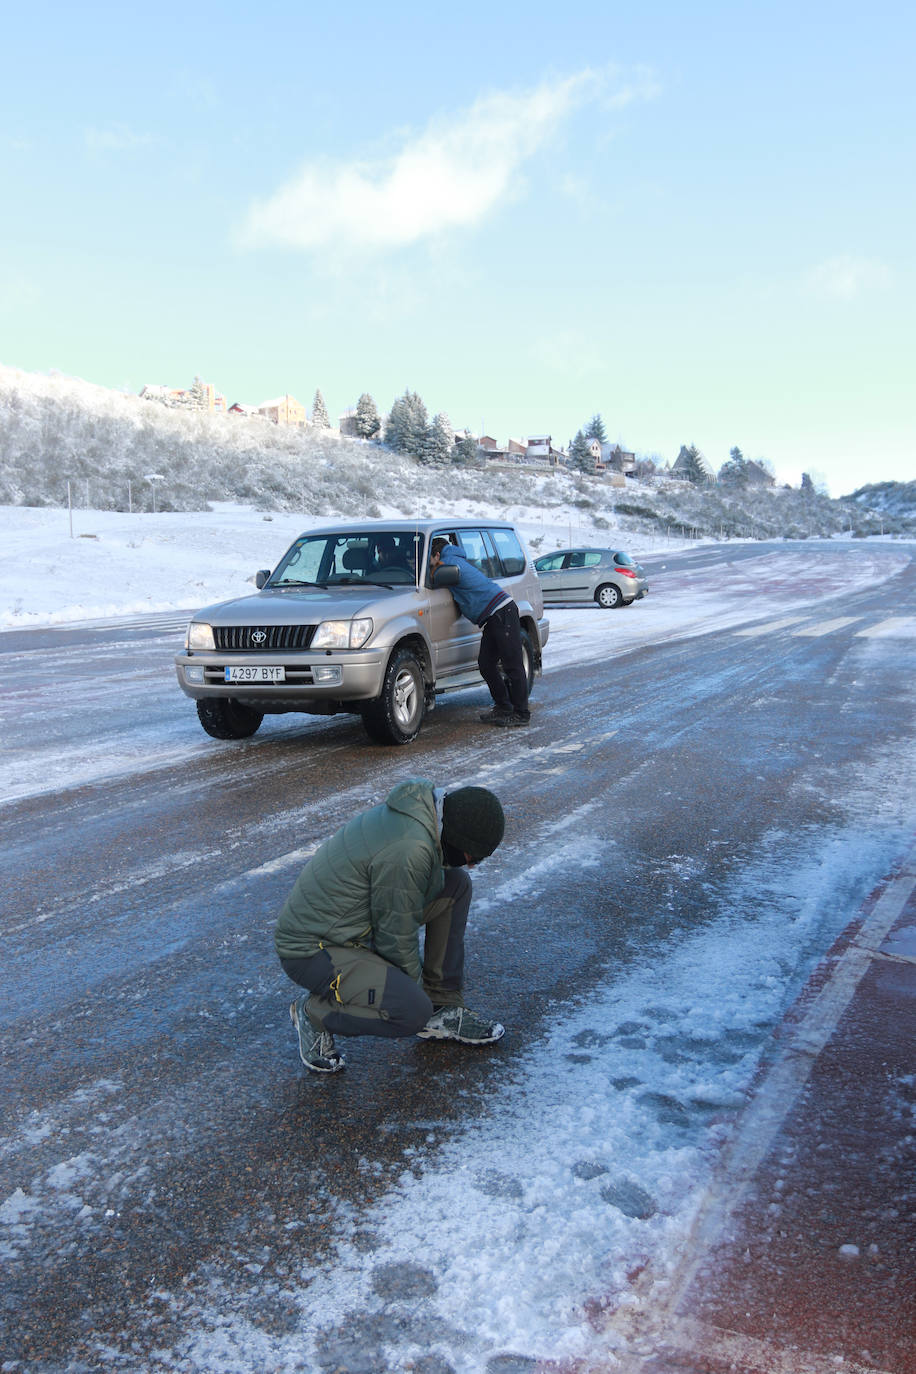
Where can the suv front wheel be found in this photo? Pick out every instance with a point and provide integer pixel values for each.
(395, 716)
(224, 718)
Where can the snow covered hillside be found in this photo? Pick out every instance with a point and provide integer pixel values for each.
(64, 439)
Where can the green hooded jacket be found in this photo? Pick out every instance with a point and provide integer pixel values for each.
(369, 883)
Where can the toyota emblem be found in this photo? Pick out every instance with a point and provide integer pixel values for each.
(258, 637)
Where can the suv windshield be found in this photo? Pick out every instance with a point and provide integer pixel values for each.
(385, 558)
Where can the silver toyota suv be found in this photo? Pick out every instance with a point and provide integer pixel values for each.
(349, 621)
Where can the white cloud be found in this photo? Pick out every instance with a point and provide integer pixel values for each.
(845, 277)
(449, 176)
(117, 138)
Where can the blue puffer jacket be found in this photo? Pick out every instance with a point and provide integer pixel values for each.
(476, 595)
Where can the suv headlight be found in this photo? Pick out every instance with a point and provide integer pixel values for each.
(200, 636)
(342, 634)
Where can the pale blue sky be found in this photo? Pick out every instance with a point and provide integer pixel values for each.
(695, 219)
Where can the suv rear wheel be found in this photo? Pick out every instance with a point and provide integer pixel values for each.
(224, 718)
(396, 714)
(528, 658)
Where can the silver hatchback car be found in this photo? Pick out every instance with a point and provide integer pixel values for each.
(348, 621)
(607, 576)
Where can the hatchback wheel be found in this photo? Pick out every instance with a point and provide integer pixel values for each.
(609, 597)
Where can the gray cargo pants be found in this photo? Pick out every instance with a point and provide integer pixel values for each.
(357, 992)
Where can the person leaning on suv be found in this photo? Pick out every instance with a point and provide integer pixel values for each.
(487, 604)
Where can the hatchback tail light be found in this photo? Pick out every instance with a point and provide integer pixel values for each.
(627, 572)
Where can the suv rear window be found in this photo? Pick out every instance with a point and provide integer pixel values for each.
(495, 551)
(511, 554)
(479, 551)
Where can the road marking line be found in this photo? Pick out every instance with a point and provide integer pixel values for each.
(770, 626)
(827, 627)
(295, 856)
(896, 627)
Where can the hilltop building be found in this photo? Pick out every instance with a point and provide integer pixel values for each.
(285, 410)
(199, 396)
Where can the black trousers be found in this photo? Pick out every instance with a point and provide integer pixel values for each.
(501, 653)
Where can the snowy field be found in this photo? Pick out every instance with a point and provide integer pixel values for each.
(502, 1247)
(116, 565)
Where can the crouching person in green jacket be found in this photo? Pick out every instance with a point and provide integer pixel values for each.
(349, 931)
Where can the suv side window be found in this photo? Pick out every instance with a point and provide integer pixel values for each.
(475, 546)
(511, 554)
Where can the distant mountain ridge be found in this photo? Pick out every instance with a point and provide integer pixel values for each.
(892, 498)
(118, 452)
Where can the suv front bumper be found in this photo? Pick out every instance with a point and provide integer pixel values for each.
(308, 677)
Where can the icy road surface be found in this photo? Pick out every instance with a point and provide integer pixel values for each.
(715, 780)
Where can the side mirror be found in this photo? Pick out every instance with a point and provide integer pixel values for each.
(261, 577)
(446, 575)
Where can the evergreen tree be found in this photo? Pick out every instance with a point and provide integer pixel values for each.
(691, 464)
(814, 484)
(464, 452)
(396, 425)
(407, 425)
(320, 412)
(595, 429)
(418, 426)
(733, 473)
(197, 398)
(368, 421)
(580, 456)
(440, 440)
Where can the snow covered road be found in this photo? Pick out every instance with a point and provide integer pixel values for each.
(716, 779)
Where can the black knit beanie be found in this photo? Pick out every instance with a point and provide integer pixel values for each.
(473, 821)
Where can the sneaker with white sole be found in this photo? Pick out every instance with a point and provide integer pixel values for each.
(316, 1048)
(461, 1024)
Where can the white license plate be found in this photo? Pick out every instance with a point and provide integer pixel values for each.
(261, 673)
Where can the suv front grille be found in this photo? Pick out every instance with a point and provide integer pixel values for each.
(255, 639)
